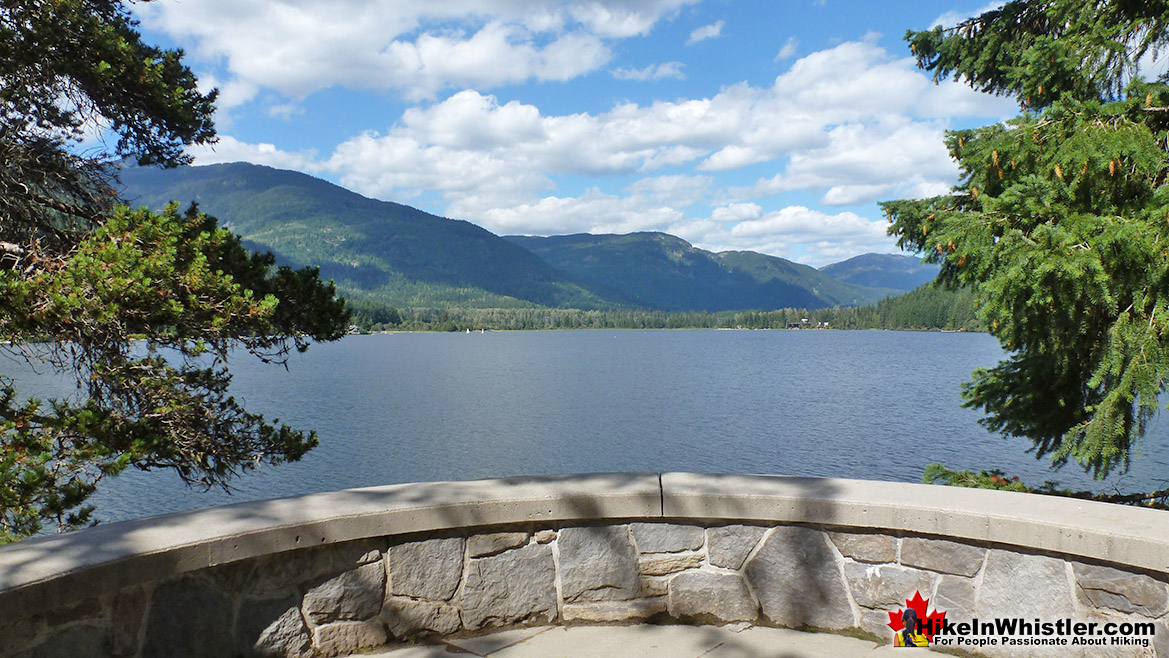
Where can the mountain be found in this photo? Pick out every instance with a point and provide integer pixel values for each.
(661, 271)
(374, 250)
(389, 255)
(896, 273)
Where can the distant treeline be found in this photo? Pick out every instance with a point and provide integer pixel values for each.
(925, 308)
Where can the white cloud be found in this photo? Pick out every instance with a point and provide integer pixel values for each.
(864, 163)
(230, 149)
(848, 125)
(737, 212)
(789, 49)
(285, 111)
(794, 232)
(954, 16)
(593, 212)
(678, 190)
(297, 48)
(819, 235)
(712, 31)
(652, 72)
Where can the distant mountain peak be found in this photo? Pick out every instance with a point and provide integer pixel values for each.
(898, 272)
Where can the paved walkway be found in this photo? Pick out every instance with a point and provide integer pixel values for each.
(648, 641)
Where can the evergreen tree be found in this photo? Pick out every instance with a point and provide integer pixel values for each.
(1061, 218)
(81, 279)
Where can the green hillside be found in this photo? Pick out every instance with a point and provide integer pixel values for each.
(374, 250)
(893, 272)
(387, 255)
(661, 271)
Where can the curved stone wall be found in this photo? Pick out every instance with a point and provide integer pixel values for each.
(337, 572)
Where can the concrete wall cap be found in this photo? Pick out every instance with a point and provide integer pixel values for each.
(1125, 535)
(40, 574)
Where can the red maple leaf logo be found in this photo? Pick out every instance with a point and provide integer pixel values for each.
(930, 623)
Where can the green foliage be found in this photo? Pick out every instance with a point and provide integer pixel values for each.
(1040, 51)
(927, 308)
(1060, 220)
(996, 479)
(142, 308)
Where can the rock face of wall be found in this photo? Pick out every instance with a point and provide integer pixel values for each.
(340, 598)
(335, 572)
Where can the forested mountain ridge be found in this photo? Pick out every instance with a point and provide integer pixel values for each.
(665, 272)
(384, 254)
(374, 250)
(894, 272)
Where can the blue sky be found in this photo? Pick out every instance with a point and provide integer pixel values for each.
(767, 125)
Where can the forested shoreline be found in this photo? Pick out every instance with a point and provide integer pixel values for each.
(927, 308)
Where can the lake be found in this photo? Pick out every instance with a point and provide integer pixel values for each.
(413, 407)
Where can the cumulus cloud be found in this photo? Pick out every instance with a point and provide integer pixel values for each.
(953, 17)
(297, 48)
(712, 31)
(652, 72)
(230, 149)
(794, 232)
(820, 236)
(847, 126)
(863, 163)
(594, 212)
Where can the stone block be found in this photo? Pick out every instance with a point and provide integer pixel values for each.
(884, 586)
(597, 563)
(661, 564)
(1123, 591)
(514, 586)
(1161, 639)
(1027, 586)
(956, 596)
(654, 585)
(729, 545)
(345, 637)
(496, 542)
(429, 569)
(545, 536)
(273, 628)
(667, 537)
(702, 594)
(406, 617)
(188, 620)
(877, 623)
(16, 636)
(278, 574)
(72, 642)
(126, 620)
(89, 609)
(354, 595)
(942, 555)
(611, 611)
(865, 547)
(798, 581)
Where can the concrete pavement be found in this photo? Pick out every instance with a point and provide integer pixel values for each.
(650, 641)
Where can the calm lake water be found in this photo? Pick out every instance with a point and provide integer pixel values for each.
(415, 407)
